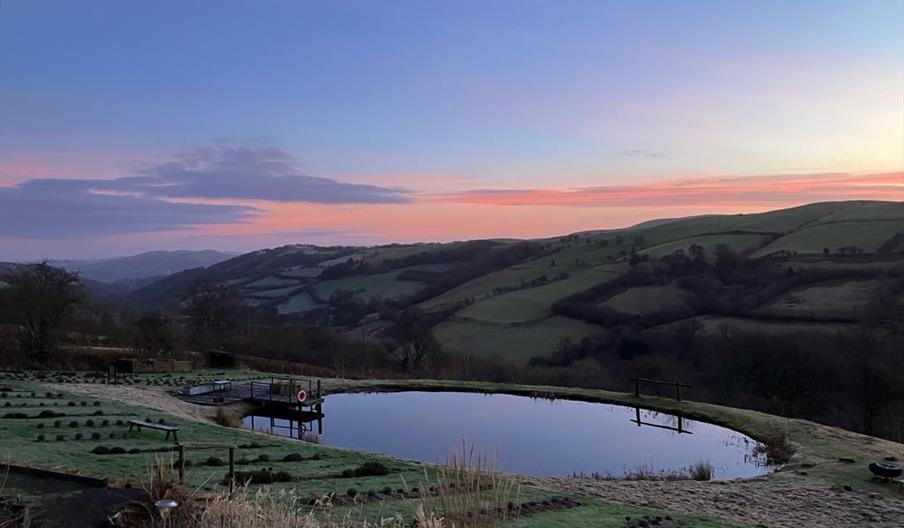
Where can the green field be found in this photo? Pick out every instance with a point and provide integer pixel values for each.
(270, 282)
(714, 325)
(275, 293)
(646, 299)
(836, 300)
(298, 303)
(739, 243)
(377, 285)
(514, 343)
(533, 303)
(867, 235)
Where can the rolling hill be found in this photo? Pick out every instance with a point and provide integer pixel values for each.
(501, 298)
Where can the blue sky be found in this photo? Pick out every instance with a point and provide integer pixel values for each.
(444, 97)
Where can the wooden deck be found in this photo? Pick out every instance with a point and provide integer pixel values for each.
(251, 391)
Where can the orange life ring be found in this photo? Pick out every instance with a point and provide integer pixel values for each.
(302, 396)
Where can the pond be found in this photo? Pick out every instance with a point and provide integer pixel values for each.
(530, 436)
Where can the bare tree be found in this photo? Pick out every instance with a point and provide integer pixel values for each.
(44, 295)
(155, 335)
(411, 355)
(212, 308)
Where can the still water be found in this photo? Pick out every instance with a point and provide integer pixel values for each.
(531, 436)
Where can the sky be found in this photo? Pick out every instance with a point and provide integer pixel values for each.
(234, 125)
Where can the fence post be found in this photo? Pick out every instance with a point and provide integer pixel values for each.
(637, 387)
(231, 470)
(181, 463)
(678, 390)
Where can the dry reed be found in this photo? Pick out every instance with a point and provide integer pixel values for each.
(228, 417)
(469, 492)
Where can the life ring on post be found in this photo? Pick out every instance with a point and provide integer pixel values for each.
(301, 396)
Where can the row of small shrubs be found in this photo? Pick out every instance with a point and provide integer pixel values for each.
(83, 404)
(80, 436)
(26, 404)
(104, 450)
(291, 457)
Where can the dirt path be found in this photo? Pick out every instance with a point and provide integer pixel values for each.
(151, 397)
(778, 501)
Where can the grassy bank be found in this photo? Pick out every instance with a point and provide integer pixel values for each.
(822, 452)
(317, 470)
(85, 422)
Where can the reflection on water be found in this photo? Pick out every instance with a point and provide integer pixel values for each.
(532, 436)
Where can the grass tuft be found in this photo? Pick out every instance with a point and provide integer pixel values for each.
(469, 492)
(701, 470)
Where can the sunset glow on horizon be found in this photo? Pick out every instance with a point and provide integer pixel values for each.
(185, 127)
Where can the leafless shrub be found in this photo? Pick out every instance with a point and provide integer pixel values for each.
(777, 448)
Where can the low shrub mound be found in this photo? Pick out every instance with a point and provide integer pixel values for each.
(367, 469)
(262, 476)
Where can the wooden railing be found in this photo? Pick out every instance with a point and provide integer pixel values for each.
(180, 464)
(677, 384)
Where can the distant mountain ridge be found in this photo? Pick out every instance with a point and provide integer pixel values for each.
(144, 265)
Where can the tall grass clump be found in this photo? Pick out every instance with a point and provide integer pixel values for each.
(469, 492)
(701, 470)
(228, 417)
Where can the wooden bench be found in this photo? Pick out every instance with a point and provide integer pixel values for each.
(170, 430)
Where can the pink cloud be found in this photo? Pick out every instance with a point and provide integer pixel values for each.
(750, 190)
